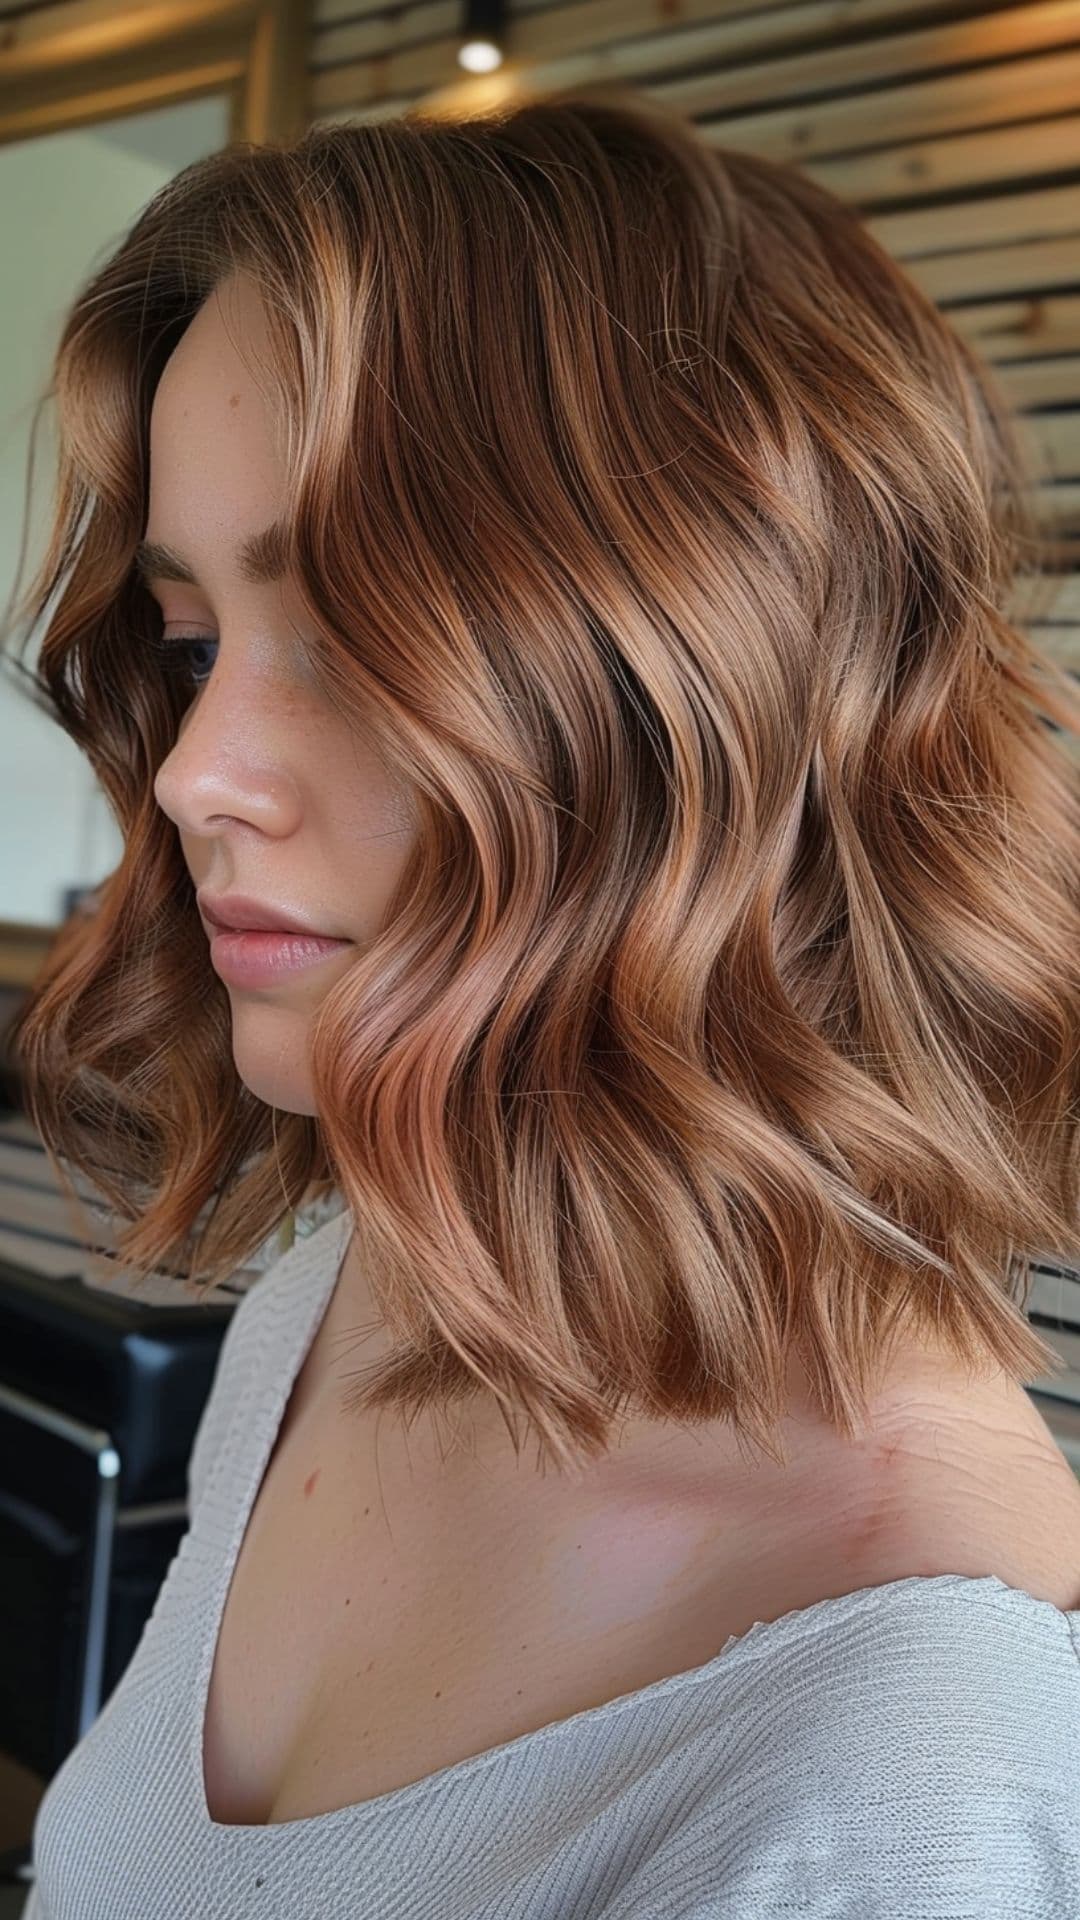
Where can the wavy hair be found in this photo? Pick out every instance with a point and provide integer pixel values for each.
(662, 533)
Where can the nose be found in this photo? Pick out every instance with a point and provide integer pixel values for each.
(229, 764)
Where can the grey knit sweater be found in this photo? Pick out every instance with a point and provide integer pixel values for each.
(909, 1751)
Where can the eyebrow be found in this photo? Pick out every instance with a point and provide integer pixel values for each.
(260, 558)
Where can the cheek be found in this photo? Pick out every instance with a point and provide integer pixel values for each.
(371, 806)
(363, 832)
(382, 850)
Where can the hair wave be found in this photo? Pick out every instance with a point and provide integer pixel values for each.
(663, 534)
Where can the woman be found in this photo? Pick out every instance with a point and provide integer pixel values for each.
(558, 573)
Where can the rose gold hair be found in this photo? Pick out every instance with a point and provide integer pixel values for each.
(661, 532)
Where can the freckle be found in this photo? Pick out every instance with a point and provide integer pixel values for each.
(309, 1483)
(367, 1510)
(234, 400)
(438, 1693)
(369, 1666)
(519, 1693)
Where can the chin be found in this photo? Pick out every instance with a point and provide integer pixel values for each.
(284, 1083)
(285, 1095)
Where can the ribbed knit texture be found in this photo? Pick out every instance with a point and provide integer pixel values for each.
(909, 1751)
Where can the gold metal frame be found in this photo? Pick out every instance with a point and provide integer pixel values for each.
(78, 61)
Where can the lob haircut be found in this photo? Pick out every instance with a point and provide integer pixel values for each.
(662, 534)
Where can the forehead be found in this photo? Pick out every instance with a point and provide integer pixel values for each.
(217, 473)
(223, 358)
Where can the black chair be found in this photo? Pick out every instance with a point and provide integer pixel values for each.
(100, 1396)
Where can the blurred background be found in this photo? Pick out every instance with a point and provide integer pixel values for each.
(954, 128)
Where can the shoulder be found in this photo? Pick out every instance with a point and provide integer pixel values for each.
(920, 1730)
(908, 1732)
(963, 1476)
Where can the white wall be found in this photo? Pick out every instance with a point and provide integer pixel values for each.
(66, 200)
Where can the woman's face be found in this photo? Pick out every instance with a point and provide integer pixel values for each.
(274, 794)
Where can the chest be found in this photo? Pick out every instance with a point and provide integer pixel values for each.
(379, 1626)
(389, 1616)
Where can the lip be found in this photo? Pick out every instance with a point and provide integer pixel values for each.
(263, 958)
(239, 913)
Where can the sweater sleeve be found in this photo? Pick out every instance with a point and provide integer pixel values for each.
(920, 1765)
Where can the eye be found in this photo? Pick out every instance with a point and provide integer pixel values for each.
(180, 653)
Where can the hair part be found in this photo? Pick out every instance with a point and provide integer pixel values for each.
(661, 531)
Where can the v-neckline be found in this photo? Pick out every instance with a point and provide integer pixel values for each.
(763, 1636)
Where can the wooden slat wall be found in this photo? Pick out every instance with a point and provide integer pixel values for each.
(954, 128)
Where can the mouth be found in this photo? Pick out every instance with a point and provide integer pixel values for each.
(266, 956)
